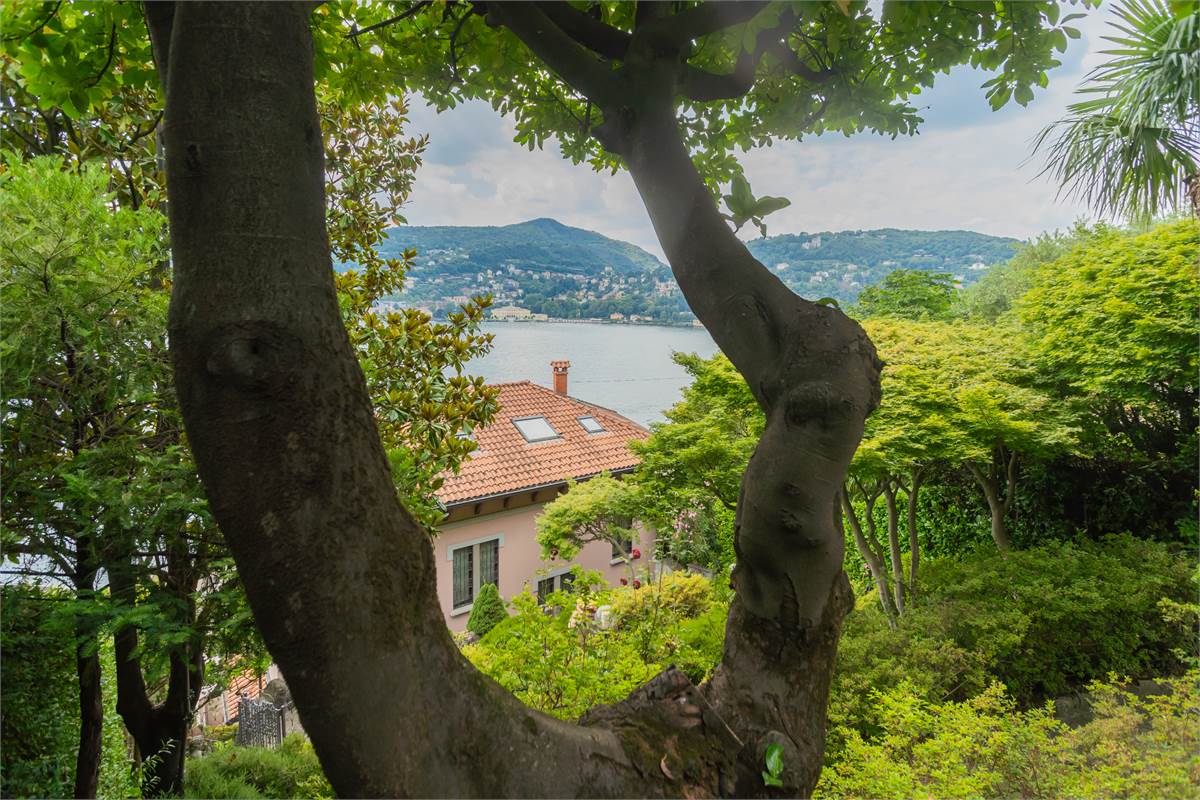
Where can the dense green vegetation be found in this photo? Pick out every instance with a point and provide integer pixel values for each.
(39, 698)
(291, 771)
(963, 678)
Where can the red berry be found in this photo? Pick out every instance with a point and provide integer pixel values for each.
(624, 582)
(637, 584)
(636, 553)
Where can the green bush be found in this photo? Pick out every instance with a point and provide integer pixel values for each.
(560, 664)
(1049, 619)
(292, 770)
(986, 747)
(701, 643)
(39, 701)
(676, 595)
(487, 612)
(1043, 621)
(39, 695)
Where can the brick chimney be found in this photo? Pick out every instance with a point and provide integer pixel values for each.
(560, 375)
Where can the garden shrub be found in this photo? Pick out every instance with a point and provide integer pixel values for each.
(221, 733)
(701, 642)
(39, 701)
(556, 666)
(675, 595)
(986, 747)
(292, 770)
(487, 611)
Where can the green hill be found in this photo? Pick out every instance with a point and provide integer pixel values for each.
(539, 244)
(571, 273)
(840, 264)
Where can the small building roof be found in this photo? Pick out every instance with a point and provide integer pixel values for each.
(506, 462)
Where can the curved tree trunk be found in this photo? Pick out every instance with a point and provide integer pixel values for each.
(340, 578)
(815, 374)
(873, 560)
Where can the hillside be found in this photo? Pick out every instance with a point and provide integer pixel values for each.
(540, 265)
(571, 273)
(840, 264)
(539, 244)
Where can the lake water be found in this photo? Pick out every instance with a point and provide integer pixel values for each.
(627, 368)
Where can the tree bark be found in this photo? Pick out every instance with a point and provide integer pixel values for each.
(91, 711)
(815, 374)
(916, 477)
(159, 731)
(893, 531)
(340, 578)
(873, 560)
(999, 477)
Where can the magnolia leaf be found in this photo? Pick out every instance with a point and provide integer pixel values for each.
(769, 205)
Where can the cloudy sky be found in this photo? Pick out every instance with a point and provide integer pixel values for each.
(968, 169)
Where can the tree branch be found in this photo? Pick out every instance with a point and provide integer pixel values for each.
(560, 52)
(592, 33)
(701, 20)
(355, 32)
(701, 85)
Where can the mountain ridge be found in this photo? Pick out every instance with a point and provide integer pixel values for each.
(551, 268)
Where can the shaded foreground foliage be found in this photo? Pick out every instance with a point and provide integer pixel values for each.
(248, 772)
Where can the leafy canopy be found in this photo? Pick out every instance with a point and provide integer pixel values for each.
(908, 294)
(748, 73)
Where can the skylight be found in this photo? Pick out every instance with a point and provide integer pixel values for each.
(535, 429)
(591, 424)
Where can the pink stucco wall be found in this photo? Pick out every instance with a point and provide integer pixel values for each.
(520, 560)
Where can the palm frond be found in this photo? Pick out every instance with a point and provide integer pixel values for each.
(1130, 145)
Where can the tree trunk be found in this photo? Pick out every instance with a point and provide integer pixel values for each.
(340, 578)
(893, 530)
(160, 731)
(873, 560)
(91, 711)
(1000, 476)
(816, 376)
(914, 544)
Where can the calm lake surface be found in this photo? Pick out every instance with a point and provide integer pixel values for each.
(627, 368)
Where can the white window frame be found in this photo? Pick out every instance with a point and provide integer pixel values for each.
(540, 439)
(599, 425)
(472, 544)
(554, 575)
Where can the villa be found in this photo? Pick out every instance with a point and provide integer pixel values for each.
(540, 439)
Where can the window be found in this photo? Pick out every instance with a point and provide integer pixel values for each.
(591, 425)
(474, 565)
(622, 551)
(555, 583)
(535, 429)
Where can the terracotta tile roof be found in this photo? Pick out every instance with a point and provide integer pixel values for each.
(505, 462)
(247, 682)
